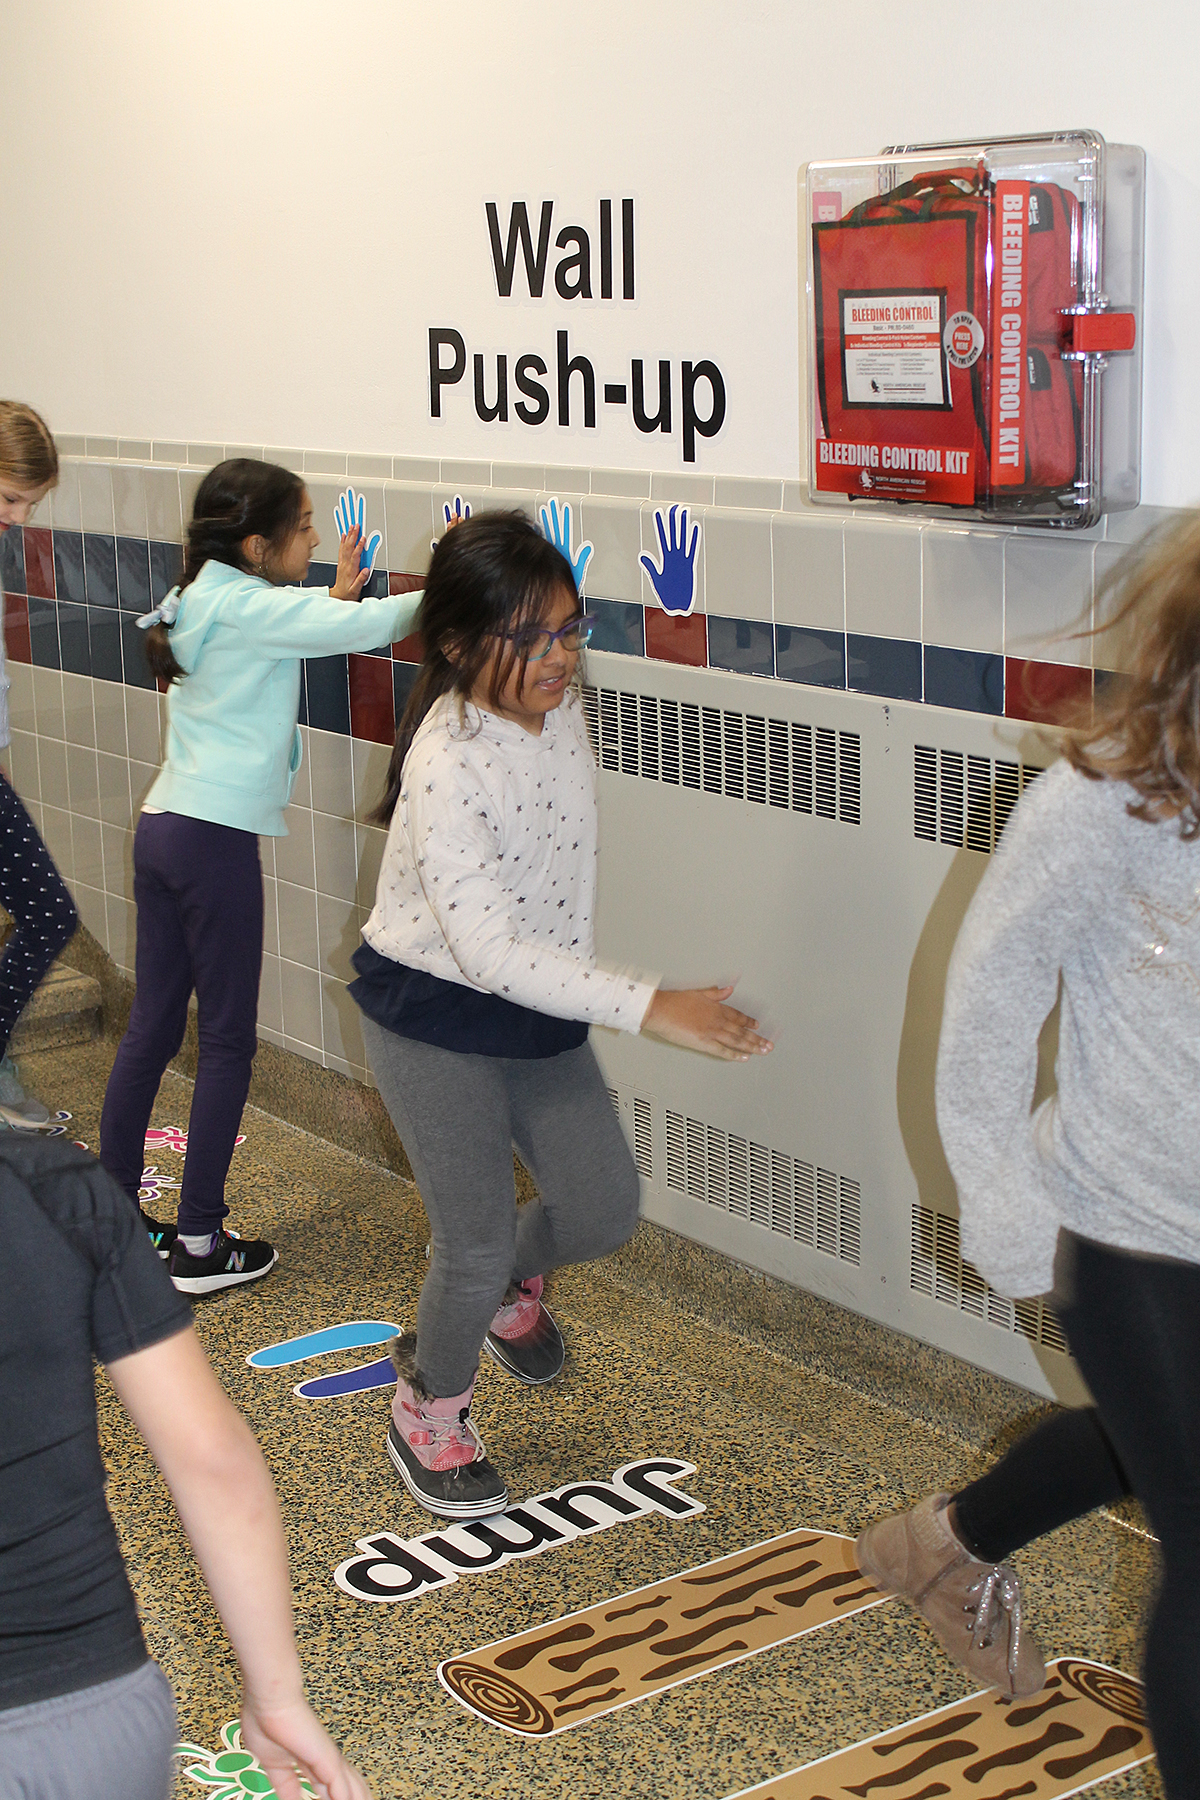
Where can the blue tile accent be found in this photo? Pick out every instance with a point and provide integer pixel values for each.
(620, 626)
(43, 633)
(747, 646)
(966, 679)
(377, 587)
(12, 560)
(133, 574)
(302, 713)
(104, 636)
(321, 574)
(100, 568)
(379, 650)
(68, 566)
(73, 637)
(887, 666)
(817, 658)
(166, 566)
(404, 680)
(133, 653)
(327, 684)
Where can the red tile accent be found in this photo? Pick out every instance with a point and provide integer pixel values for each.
(675, 639)
(16, 628)
(1044, 693)
(372, 707)
(39, 562)
(411, 649)
(405, 584)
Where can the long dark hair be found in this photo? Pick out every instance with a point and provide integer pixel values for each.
(237, 499)
(489, 576)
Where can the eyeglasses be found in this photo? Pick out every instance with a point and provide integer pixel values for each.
(533, 642)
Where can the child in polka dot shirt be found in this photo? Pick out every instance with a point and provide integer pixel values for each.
(478, 980)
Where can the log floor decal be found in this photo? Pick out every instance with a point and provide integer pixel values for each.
(1087, 1723)
(610, 1655)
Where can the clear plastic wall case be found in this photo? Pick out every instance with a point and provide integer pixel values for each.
(975, 329)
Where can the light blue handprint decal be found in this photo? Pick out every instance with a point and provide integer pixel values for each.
(559, 533)
(351, 510)
(461, 510)
(675, 582)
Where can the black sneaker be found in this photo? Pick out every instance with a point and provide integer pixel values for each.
(230, 1262)
(162, 1237)
(523, 1338)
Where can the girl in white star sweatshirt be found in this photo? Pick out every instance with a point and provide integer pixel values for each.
(478, 980)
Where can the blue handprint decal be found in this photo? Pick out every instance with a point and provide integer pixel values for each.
(675, 582)
(461, 511)
(351, 510)
(559, 534)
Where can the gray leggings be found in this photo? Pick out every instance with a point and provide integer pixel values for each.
(112, 1739)
(458, 1117)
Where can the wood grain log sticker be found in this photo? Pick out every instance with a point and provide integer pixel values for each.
(592, 1662)
(1087, 1723)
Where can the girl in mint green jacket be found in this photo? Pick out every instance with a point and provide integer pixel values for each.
(229, 640)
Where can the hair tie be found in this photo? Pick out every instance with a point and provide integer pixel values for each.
(165, 613)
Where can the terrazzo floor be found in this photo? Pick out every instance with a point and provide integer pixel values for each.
(776, 1444)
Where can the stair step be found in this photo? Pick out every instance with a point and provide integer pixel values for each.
(64, 1010)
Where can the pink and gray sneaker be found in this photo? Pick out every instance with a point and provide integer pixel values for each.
(523, 1338)
(435, 1445)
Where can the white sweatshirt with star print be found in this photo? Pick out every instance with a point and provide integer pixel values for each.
(489, 872)
(1081, 893)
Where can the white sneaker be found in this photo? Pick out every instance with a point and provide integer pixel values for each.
(18, 1109)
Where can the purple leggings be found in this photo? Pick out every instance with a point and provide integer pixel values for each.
(198, 888)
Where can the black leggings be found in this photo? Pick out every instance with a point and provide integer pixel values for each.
(1133, 1324)
(35, 897)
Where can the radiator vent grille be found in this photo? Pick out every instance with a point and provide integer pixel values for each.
(937, 1269)
(637, 1118)
(965, 800)
(765, 762)
(780, 1193)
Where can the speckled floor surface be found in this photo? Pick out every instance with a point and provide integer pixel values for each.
(776, 1443)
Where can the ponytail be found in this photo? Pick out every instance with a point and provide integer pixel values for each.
(237, 499)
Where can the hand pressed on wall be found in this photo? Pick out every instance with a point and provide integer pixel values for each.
(462, 510)
(351, 512)
(559, 534)
(675, 582)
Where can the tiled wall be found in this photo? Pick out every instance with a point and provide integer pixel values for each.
(975, 619)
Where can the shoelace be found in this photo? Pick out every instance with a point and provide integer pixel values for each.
(452, 1431)
(516, 1316)
(997, 1593)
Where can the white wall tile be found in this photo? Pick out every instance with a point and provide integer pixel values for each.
(87, 852)
(883, 579)
(52, 769)
(808, 572)
(79, 712)
(301, 989)
(129, 501)
(164, 514)
(341, 1027)
(23, 758)
(737, 564)
(95, 497)
(962, 588)
(93, 910)
(21, 712)
(334, 854)
(112, 779)
(142, 725)
(614, 528)
(48, 703)
(339, 933)
(270, 999)
(331, 772)
(108, 701)
(370, 765)
(294, 853)
(83, 780)
(409, 512)
(297, 923)
(1047, 599)
(64, 497)
(56, 832)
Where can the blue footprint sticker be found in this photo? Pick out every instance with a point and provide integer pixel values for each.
(352, 1334)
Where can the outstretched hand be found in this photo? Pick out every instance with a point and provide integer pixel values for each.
(698, 1019)
(351, 577)
(290, 1737)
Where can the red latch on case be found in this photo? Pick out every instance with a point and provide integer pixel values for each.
(1096, 333)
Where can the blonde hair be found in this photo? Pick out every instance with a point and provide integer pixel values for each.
(1145, 725)
(27, 453)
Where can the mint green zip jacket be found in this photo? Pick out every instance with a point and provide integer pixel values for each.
(233, 745)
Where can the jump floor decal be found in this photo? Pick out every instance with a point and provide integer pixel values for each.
(351, 1334)
(230, 1773)
(394, 1568)
(1087, 1723)
(656, 1637)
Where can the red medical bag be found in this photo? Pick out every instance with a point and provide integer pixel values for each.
(940, 314)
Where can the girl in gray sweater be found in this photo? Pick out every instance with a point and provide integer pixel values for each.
(1094, 892)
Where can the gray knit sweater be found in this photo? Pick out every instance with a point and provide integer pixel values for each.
(1076, 889)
